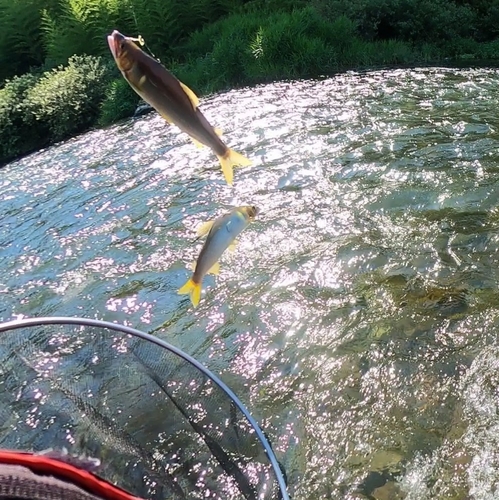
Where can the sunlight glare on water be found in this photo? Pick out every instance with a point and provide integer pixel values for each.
(357, 317)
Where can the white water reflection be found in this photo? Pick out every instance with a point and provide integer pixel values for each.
(352, 307)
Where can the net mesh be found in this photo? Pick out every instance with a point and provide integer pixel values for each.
(160, 426)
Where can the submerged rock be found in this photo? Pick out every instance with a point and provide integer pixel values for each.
(142, 109)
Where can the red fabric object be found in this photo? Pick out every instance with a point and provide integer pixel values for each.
(43, 465)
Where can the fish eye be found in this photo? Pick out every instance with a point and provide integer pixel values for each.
(122, 45)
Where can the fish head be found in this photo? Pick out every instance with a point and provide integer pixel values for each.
(124, 50)
(250, 212)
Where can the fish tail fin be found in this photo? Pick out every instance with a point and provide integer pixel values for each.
(229, 160)
(193, 289)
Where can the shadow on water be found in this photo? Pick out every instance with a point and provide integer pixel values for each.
(357, 319)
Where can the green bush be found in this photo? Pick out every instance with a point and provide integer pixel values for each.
(67, 99)
(36, 110)
(21, 44)
(19, 132)
(35, 33)
(80, 27)
(406, 20)
(487, 12)
(257, 47)
(290, 45)
(489, 50)
(120, 102)
(273, 6)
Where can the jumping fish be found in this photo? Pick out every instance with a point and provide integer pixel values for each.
(173, 100)
(222, 233)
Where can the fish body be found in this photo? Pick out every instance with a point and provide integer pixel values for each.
(173, 100)
(221, 234)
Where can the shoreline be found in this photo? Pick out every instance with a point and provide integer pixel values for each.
(142, 108)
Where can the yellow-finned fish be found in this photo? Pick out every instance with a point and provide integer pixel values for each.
(222, 233)
(173, 100)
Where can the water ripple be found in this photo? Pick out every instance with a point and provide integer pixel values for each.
(353, 308)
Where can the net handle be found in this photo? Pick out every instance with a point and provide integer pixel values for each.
(62, 320)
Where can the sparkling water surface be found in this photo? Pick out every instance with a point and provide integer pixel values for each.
(357, 318)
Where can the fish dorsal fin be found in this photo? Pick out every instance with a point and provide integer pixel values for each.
(191, 95)
(214, 269)
(205, 228)
(219, 132)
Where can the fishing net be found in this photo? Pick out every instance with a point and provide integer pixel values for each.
(161, 424)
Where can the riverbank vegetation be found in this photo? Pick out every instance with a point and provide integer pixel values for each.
(58, 77)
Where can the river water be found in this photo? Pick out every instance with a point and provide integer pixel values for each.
(358, 316)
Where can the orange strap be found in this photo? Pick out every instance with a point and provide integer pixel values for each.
(41, 464)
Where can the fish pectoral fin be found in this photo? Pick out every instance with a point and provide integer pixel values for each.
(214, 269)
(194, 291)
(205, 228)
(197, 143)
(191, 95)
(219, 131)
(192, 265)
(142, 81)
(229, 160)
(233, 246)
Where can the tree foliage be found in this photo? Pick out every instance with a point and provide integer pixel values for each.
(39, 109)
(36, 33)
